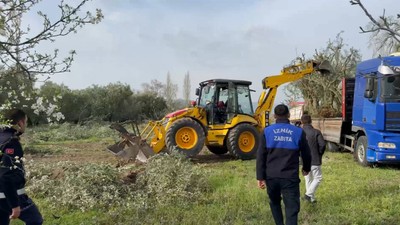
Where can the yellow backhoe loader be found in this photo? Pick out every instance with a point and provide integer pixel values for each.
(222, 119)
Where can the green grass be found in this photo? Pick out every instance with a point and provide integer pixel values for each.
(349, 194)
(68, 132)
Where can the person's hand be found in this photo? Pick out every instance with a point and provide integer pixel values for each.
(304, 172)
(261, 184)
(15, 213)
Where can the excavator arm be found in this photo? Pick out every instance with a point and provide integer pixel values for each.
(288, 74)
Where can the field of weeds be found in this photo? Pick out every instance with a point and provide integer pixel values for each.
(74, 180)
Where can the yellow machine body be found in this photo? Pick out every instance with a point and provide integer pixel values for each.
(189, 130)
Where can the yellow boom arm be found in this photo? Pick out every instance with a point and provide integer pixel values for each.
(271, 84)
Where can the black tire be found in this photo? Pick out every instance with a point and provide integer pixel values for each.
(218, 150)
(360, 152)
(243, 141)
(185, 135)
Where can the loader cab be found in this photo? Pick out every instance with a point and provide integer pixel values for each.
(224, 99)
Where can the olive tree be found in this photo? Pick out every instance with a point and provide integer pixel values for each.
(321, 92)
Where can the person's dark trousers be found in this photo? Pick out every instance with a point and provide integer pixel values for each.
(4, 217)
(289, 189)
(29, 212)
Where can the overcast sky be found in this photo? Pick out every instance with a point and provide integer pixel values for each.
(141, 40)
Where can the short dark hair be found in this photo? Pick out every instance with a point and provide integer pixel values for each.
(281, 110)
(306, 119)
(14, 115)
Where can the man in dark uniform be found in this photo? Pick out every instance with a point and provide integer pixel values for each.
(278, 165)
(14, 203)
(317, 147)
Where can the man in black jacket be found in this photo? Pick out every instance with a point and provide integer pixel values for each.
(317, 147)
(278, 165)
(14, 203)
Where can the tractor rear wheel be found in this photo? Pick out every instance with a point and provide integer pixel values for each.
(185, 135)
(218, 150)
(243, 141)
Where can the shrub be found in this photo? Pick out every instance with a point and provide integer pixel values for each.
(68, 132)
(166, 179)
(78, 186)
(172, 179)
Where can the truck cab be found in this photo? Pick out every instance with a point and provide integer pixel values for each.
(376, 111)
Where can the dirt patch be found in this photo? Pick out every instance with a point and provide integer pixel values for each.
(78, 152)
(93, 152)
(131, 176)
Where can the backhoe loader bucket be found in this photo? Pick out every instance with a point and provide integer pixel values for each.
(132, 146)
(324, 67)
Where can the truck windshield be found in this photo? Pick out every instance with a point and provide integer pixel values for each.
(391, 88)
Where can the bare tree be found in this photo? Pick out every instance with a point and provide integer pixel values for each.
(19, 45)
(186, 88)
(170, 92)
(155, 87)
(384, 30)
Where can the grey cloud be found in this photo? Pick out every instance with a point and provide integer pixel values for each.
(142, 40)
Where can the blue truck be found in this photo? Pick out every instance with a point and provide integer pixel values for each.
(370, 123)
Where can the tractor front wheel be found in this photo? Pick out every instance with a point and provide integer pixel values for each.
(243, 141)
(185, 135)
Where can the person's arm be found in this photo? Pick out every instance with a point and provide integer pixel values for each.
(261, 162)
(321, 143)
(305, 153)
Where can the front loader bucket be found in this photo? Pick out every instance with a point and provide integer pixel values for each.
(132, 146)
(117, 148)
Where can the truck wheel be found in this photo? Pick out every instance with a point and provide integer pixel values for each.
(360, 152)
(218, 150)
(186, 136)
(243, 141)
